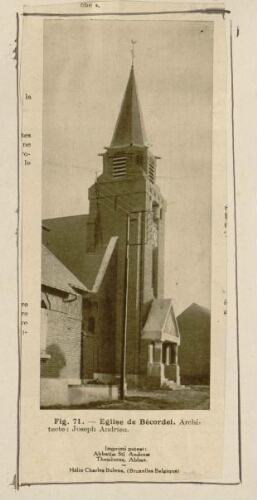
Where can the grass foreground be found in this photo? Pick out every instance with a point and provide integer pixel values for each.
(188, 398)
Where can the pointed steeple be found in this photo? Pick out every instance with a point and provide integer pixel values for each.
(129, 127)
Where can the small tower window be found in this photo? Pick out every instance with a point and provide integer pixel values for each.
(155, 271)
(151, 170)
(119, 165)
(91, 324)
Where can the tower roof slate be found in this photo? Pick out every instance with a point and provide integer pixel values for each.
(129, 127)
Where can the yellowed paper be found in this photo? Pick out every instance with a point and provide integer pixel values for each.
(129, 315)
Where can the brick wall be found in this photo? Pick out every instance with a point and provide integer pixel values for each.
(99, 346)
(131, 193)
(63, 339)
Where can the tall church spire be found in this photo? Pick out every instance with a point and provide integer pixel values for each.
(129, 127)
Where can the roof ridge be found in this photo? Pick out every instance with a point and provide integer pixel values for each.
(77, 284)
(65, 217)
(104, 264)
(196, 306)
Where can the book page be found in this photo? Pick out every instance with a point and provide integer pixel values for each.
(128, 247)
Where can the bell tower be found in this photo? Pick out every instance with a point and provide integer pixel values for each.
(127, 189)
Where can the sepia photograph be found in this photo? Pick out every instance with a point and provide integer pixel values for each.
(126, 214)
(129, 177)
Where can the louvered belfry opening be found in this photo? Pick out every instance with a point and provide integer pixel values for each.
(151, 170)
(119, 165)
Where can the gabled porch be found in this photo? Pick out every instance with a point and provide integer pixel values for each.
(162, 335)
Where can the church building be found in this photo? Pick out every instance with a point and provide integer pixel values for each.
(117, 254)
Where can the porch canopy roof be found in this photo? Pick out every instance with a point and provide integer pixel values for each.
(161, 324)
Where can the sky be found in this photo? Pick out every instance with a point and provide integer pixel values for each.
(86, 68)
